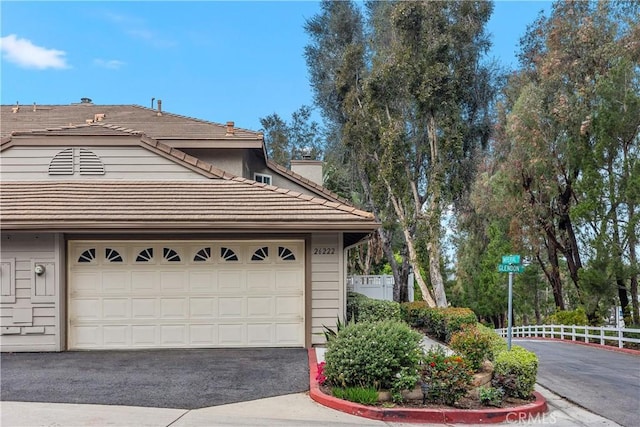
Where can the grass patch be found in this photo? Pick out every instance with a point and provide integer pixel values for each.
(363, 395)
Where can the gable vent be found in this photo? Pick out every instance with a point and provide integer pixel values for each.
(90, 163)
(62, 163)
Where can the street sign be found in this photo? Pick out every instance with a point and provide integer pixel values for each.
(508, 268)
(511, 259)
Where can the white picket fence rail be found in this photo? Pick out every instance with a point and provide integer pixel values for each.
(377, 287)
(604, 335)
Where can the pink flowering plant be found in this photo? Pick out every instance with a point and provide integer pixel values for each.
(321, 378)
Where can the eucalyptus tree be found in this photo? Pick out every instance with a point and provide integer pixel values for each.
(411, 106)
(556, 129)
(286, 141)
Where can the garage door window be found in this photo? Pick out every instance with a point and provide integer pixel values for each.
(170, 255)
(261, 254)
(203, 255)
(111, 255)
(145, 255)
(88, 256)
(228, 254)
(285, 254)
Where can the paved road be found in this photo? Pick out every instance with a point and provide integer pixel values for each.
(602, 381)
(186, 379)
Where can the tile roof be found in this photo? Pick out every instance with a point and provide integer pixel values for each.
(214, 205)
(135, 117)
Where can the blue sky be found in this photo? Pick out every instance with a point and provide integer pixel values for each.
(218, 61)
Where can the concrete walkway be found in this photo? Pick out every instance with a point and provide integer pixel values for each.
(289, 410)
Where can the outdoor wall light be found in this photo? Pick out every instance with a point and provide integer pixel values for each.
(39, 269)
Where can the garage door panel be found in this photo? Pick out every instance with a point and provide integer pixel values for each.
(231, 334)
(203, 281)
(89, 336)
(116, 308)
(289, 334)
(288, 306)
(203, 335)
(231, 281)
(288, 280)
(144, 281)
(260, 281)
(185, 294)
(260, 307)
(231, 307)
(173, 335)
(173, 308)
(203, 308)
(116, 336)
(116, 282)
(173, 281)
(144, 335)
(87, 283)
(86, 309)
(260, 334)
(144, 308)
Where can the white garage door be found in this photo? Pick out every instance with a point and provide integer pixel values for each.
(178, 294)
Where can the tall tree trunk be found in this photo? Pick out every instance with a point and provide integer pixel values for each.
(633, 261)
(552, 272)
(435, 213)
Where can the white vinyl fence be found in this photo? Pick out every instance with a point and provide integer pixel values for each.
(605, 335)
(377, 287)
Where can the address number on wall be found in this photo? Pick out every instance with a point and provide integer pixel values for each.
(324, 251)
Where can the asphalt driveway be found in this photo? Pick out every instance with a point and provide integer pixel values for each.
(186, 379)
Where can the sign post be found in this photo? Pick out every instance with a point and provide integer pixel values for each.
(510, 264)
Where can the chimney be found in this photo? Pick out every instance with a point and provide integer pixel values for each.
(230, 130)
(159, 113)
(16, 108)
(34, 107)
(310, 169)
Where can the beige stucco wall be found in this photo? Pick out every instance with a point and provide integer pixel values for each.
(31, 305)
(31, 163)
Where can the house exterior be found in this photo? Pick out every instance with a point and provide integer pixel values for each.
(124, 227)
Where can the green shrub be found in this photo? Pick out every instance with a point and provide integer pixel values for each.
(361, 308)
(372, 354)
(568, 317)
(515, 372)
(374, 310)
(490, 396)
(498, 343)
(441, 323)
(414, 313)
(363, 395)
(353, 303)
(447, 377)
(472, 344)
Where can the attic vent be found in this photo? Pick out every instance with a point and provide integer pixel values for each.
(90, 163)
(62, 163)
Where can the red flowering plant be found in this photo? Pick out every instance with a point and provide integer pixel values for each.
(321, 378)
(445, 379)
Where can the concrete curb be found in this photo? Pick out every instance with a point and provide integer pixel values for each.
(588, 344)
(411, 415)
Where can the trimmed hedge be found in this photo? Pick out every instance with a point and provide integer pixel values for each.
(439, 323)
(472, 344)
(515, 372)
(372, 354)
(361, 308)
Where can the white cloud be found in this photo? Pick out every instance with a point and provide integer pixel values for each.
(112, 64)
(26, 54)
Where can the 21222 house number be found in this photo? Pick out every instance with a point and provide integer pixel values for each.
(324, 251)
